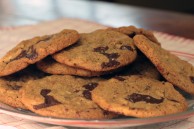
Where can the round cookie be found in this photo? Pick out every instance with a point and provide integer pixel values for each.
(32, 50)
(51, 66)
(179, 72)
(63, 96)
(138, 96)
(141, 66)
(10, 86)
(101, 50)
(131, 31)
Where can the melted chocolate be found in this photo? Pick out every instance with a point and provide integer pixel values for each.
(30, 54)
(48, 100)
(112, 57)
(112, 60)
(101, 49)
(135, 97)
(87, 94)
(125, 47)
(119, 78)
(90, 86)
(192, 79)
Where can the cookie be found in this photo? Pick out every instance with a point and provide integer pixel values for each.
(178, 72)
(138, 96)
(141, 66)
(63, 96)
(51, 66)
(32, 50)
(11, 85)
(101, 50)
(131, 31)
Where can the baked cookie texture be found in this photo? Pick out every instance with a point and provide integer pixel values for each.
(49, 65)
(141, 66)
(138, 96)
(131, 31)
(178, 72)
(11, 85)
(63, 96)
(101, 50)
(30, 51)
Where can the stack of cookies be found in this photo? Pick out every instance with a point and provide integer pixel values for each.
(99, 75)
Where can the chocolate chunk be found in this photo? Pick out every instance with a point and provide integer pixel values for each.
(112, 57)
(125, 47)
(48, 100)
(101, 49)
(87, 94)
(90, 86)
(119, 78)
(192, 79)
(110, 64)
(30, 54)
(131, 35)
(135, 97)
(112, 60)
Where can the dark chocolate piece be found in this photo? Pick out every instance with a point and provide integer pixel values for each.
(90, 86)
(87, 94)
(101, 49)
(48, 100)
(135, 97)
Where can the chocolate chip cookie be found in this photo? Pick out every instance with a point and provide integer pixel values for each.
(179, 72)
(11, 85)
(32, 50)
(51, 66)
(131, 31)
(101, 50)
(63, 96)
(138, 96)
(141, 66)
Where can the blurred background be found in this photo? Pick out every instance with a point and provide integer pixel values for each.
(185, 6)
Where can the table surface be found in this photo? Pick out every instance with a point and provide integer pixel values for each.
(27, 12)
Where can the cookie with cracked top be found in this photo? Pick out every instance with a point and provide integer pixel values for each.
(178, 72)
(30, 51)
(138, 96)
(63, 96)
(101, 50)
(10, 86)
(131, 31)
(51, 66)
